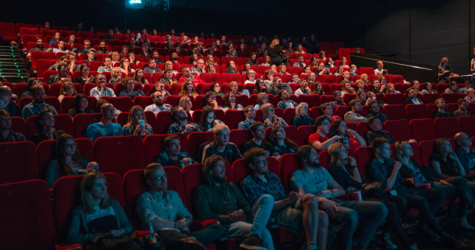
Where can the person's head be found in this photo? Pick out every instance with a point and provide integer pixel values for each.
(68, 89)
(337, 152)
(258, 130)
(326, 109)
(221, 134)
(128, 83)
(32, 82)
(249, 112)
(172, 145)
(284, 95)
(301, 110)
(337, 96)
(101, 80)
(463, 140)
(411, 93)
(346, 86)
(361, 96)
(186, 71)
(125, 50)
(403, 149)
(373, 106)
(415, 84)
(355, 106)
(268, 111)
(145, 48)
(132, 57)
(5, 96)
(376, 84)
(93, 188)
(295, 78)
(462, 104)
(38, 93)
(381, 148)
(61, 45)
(215, 168)
(375, 124)
(107, 61)
(379, 64)
(185, 103)
(200, 64)
(151, 63)
(444, 62)
(62, 69)
(138, 75)
(471, 92)
(115, 56)
(338, 127)
(207, 116)
(255, 159)
(454, 87)
(216, 87)
(179, 114)
(274, 42)
(251, 75)
(229, 98)
(158, 98)
(102, 45)
(233, 87)
(5, 121)
(307, 156)
(262, 99)
(209, 98)
(440, 103)
(136, 114)
(116, 72)
(155, 177)
(390, 88)
(81, 102)
(442, 147)
(322, 124)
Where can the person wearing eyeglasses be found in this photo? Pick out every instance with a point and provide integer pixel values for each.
(199, 68)
(67, 161)
(164, 211)
(250, 114)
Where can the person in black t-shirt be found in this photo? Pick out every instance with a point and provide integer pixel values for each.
(258, 131)
(441, 106)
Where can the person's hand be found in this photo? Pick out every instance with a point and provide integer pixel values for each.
(190, 127)
(237, 216)
(180, 224)
(410, 180)
(352, 161)
(443, 182)
(267, 122)
(336, 137)
(139, 129)
(215, 103)
(308, 89)
(325, 194)
(115, 232)
(412, 141)
(90, 79)
(186, 161)
(91, 166)
(294, 196)
(119, 78)
(277, 123)
(350, 190)
(397, 166)
(330, 207)
(350, 132)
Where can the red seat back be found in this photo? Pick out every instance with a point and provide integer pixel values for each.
(466, 125)
(363, 156)
(19, 162)
(395, 112)
(82, 121)
(446, 127)
(399, 129)
(18, 125)
(123, 103)
(153, 145)
(394, 98)
(304, 133)
(287, 165)
(414, 111)
(423, 129)
(240, 136)
(234, 117)
(195, 139)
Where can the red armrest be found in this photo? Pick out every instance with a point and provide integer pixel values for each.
(346, 197)
(68, 247)
(141, 233)
(206, 223)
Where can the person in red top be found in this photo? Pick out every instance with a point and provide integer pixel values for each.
(320, 141)
(351, 139)
(188, 76)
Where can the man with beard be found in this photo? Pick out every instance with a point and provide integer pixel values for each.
(217, 199)
(87, 47)
(285, 101)
(174, 57)
(250, 114)
(190, 77)
(61, 48)
(354, 116)
(61, 76)
(38, 103)
(181, 124)
(156, 57)
(101, 89)
(110, 35)
(314, 179)
(258, 140)
(152, 67)
(105, 127)
(373, 107)
(164, 210)
(39, 47)
(441, 106)
(102, 48)
(221, 145)
(172, 155)
(295, 212)
(158, 104)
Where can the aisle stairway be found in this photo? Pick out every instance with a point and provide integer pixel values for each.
(12, 66)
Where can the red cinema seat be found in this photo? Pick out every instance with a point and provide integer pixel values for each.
(8, 31)
(394, 99)
(363, 156)
(466, 125)
(414, 111)
(24, 101)
(143, 101)
(210, 77)
(195, 139)
(53, 101)
(304, 133)
(395, 79)
(367, 70)
(240, 136)
(327, 78)
(227, 78)
(430, 98)
(233, 118)
(153, 145)
(243, 100)
(166, 120)
(19, 162)
(289, 114)
(311, 100)
(82, 121)
(67, 196)
(29, 31)
(446, 127)
(61, 122)
(362, 128)
(341, 111)
(287, 165)
(19, 125)
(174, 100)
(326, 98)
(134, 186)
(119, 154)
(423, 129)
(26, 207)
(399, 129)
(315, 112)
(425, 150)
(450, 97)
(324, 159)
(347, 98)
(395, 112)
(471, 108)
(241, 171)
(123, 103)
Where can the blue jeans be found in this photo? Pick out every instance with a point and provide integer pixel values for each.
(370, 214)
(460, 188)
(261, 212)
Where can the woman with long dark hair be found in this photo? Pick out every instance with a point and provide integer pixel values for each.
(207, 120)
(80, 106)
(281, 143)
(275, 52)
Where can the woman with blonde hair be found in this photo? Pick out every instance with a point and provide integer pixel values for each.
(67, 89)
(301, 115)
(347, 89)
(67, 161)
(99, 214)
(262, 99)
(275, 52)
(186, 103)
(445, 74)
(269, 118)
(169, 66)
(115, 56)
(134, 123)
(339, 70)
(187, 88)
(391, 89)
(364, 78)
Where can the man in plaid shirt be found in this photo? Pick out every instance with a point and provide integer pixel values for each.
(181, 124)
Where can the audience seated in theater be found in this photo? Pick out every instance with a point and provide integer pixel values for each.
(285, 101)
(304, 89)
(360, 86)
(441, 106)
(251, 77)
(250, 114)
(61, 48)
(230, 102)
(465, 155)
(31, 82)
(87, 47)
(124, 51)
(259, 135)
(259, 87)
(80, 106)
(327, 111)
(109, 35)
(375, 131)
(354, 116)
(462, 110)
(125, 66)
(322, 70)
(277, 85)
(139, 77)
(453, 187)
(217, 199)
(98, 214)
(301, 115)
(337, 96)
(346, 88)
(38, 103)
(269, 118)
(181, 124)
(67, 89)
(38, 47)
(377, 87)
(186, 103)
(234, 88)
(115, 56)
(165, 212)
(317, 88)
(364, 78)
(300, 62)
(190, 77)
(232, 68)
(108, 66)
(133, 126)
(187, 88)
(453, 88)
(281, 143)
(445, 162)
(444, 72)
(221, 146)
(207, 119)
(350, 138)
(101, 89)
(412, 97)
(384, 169)
(329, 63)
(172, 155)
(391, 89)
(253, 59)
(216, 89)
(7, 103)
(319, 140)
(210, 100)
(156, 58)
(85, 77)
(346, 77)
(61, 76)
(374, 110)
(262, 99)
(469, 98)
(199, 67)
(296, 211)
(158, 104)
(160, 87)
(345, 172)
(116, 76)
(102, 48)
(105, 127)
(429, 89)
(379, 67)
(468, 85)
(46, 127)
(129, 88)
(6, 132)
(145, 51)
(266, 61)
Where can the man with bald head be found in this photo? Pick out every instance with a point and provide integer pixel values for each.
(470, 95)
(465, 155)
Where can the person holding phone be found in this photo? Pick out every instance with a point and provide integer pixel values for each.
(350, 138)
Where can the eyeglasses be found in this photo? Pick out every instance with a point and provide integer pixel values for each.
(159, 178)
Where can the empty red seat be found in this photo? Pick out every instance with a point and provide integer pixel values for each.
(26, 209)
(446, 127)
(341, 111)
(143, 101)
(425, 149)
(327, 78)
(153, 145)
(414, 111)
(287, 165)
(195, 139)
(119, 154)
(8, 31)
(311, 100)
(395, 79)
(234, 117)
(430, 98)
(19, 162)
(227, 78)
(466, 125)
(423, 129)
(123, 103)
(450, 97)
(240, 136)
(289, 114)
(211, 77)
(394, 98)
(363, 156)
(399, 129)
(304, 132)
(19, 125)
(367, 70)
(395, 112)
(166, 120)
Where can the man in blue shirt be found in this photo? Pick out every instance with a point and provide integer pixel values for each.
(105, 127)
(38, 103)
